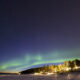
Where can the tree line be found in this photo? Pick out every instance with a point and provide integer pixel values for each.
(66, 66)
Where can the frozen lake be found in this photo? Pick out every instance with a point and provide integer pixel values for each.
(69, 76)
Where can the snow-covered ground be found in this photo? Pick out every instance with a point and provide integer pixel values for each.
(70, 76)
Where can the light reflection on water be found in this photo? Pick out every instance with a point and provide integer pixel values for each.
(67, 76)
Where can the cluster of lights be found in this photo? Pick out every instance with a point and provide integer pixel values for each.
(65, 69)
(77, 67)
(49, 73)
(36, 73)
(68, 69)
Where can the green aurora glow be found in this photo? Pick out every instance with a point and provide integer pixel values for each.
(28, 60)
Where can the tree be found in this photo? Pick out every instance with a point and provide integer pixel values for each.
(76, 62)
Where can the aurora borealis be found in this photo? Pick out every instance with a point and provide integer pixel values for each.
(29, 61)
(34, 33)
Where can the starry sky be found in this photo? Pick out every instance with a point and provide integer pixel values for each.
(38, 32)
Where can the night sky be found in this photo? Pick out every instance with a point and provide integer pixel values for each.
(37, 32)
